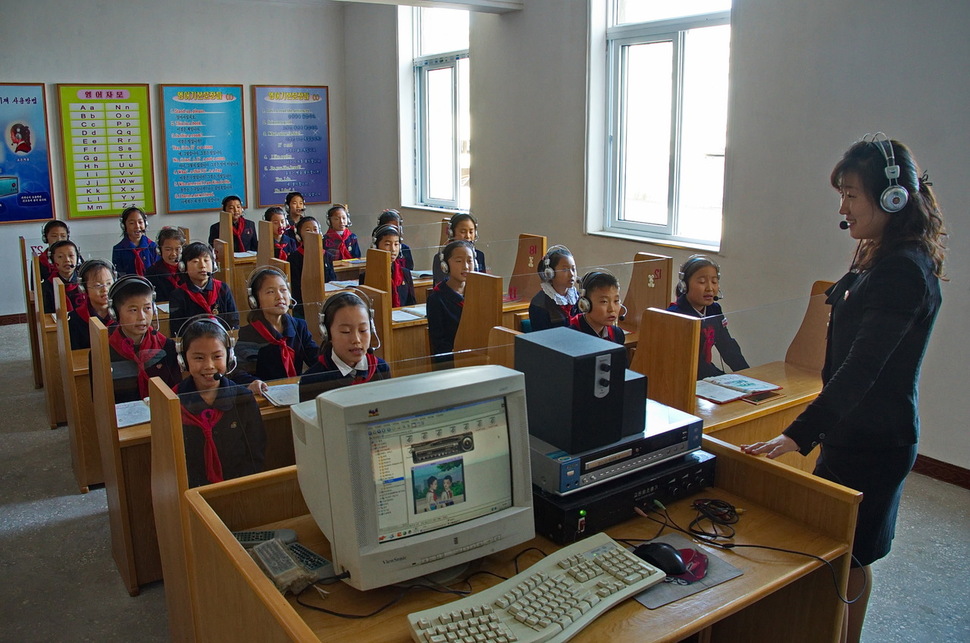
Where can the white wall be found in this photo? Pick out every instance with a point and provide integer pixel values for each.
(166, 41)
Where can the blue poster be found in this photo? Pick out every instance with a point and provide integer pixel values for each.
(292, 143)
(204, 146)
(25, 164)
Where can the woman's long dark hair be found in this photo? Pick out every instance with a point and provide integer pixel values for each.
(919, 221)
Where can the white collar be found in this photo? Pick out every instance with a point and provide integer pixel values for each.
(346, 369)
(569, 299)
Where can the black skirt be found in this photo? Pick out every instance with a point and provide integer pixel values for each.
(879, 475)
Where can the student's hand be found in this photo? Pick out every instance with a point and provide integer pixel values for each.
(257, 387)
(772, 448)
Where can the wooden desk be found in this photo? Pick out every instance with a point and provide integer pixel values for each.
(780, 597)
(31, 294)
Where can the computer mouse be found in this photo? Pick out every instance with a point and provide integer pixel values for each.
(664, 557)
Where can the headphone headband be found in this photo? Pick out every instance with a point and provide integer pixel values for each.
(212, 320)
(895, 197)
(127, 281)
(546, 272)
(385, 230)
(351, 293)
(257, 272)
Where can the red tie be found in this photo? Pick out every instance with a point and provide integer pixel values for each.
(343, 252)
(139, 262)
(397, 279)
(280, 252)
(207, 421)
(237, 230)
(150, 346)
(286, 351)
(205, 302)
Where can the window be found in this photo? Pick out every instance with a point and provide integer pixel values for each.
(667, 79)
(442, 123)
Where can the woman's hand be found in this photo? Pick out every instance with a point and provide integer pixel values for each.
(772, 448)
(257, 387)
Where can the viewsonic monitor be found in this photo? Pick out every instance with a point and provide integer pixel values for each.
(412, 475)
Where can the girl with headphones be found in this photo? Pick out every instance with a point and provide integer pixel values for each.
(600, 307)
(393, 217)
(198, 293)
(138, 351)
(347, 356)
(135, 253)
(555, 303)
(164, 274)
(462, 227)
(295, 209)
(697, 293)
(95, 277)
(52, 232)
(64, 256)
(305, 226)
(243, 230)
(223, 429)
(283, 244)
(388, 237)
(274, 345)
(447, 298)
(340, 242)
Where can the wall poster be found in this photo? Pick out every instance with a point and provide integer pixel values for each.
(25, 163)
(204, 145)
(292, 126)
(106, 141)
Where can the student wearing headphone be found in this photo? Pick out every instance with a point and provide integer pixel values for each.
(697, 293)
(393, 217)
(64, 256)
(388, 237)
(223, 430)
(138, 351)
(555, 303)
(865, 421)
(283, 244)
(305, 226)
(52, 232)
(135, 253)
(198, 292)
(274, 345)
(600, 307)
(295, 209)
(340, 242)
(462, 227)
(95, 277)
(164, 274)
(347, 356)
(447, 298)
(243, 230)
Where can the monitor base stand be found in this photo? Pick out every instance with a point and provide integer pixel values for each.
(447, 575)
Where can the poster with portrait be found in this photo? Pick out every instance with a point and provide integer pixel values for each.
(106, 140)
(25, 163)
(204, 145)
(292, 133)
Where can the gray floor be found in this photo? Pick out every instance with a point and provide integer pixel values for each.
(60, 583)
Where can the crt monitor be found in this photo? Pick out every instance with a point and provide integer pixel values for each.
(412, 475)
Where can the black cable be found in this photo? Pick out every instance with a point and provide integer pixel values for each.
(516, 559)
(393, 601)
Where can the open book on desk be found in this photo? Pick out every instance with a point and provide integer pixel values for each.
(283, 394)
(731, 386)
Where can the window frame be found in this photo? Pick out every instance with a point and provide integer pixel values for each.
(618, 38)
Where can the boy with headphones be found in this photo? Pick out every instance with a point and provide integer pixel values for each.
(447, 298)
(95, 278)
(283, 244)
(555, 303)
(138, 351)
(274, 344)
(305, 226)
(135, 253)
(340, 242)
(243, 230)
(198, 293)
(347, 356)
(64, 256)
(222, 427)
(697, 293)
(164, 274)
(462, 227)
(600, 307)
(53, 231)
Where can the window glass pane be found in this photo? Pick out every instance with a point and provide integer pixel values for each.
(440, 126)
(465, 134)
(650, 10)
(647, 142)
(703, 132)
(442, 30)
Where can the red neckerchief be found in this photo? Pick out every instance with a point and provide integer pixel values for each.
(397, 279)
(151, 345)
(343, 252)
(566, 309)
(204, 302)
(86, 312)
(237, 230)
(207, 421)
(45, 261)
(441, 285)
(286, 351)
(280, 250)
(73, 298)
(139, 262)
(299, 249)
(172, 275)
(329, 364)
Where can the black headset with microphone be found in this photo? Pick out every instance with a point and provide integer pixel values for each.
(690, 267)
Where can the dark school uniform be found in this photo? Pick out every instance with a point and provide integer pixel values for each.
(124, 372)
(406, 253)
(78, 325)
(325, 375)
(125, 256)
(444, 314)
(164, 278)
(264, 359)
(612, 333)
(182, 305)
(296, 276)
(402, 294)
(285, 247)
(245, 242)
(332, 241)
(438, 275)
(75, 298)
(714, 333)
(545, 313)
(239, 435)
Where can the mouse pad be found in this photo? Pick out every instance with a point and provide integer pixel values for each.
(670, 590)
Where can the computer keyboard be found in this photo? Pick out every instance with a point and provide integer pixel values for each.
(550, 601)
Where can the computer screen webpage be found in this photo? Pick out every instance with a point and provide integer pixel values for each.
(440, 468)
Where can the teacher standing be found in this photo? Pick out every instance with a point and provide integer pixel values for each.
(865, 421)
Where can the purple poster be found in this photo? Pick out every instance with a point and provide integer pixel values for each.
(292, 126)
(25, 164)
